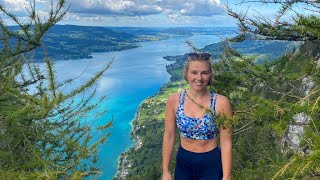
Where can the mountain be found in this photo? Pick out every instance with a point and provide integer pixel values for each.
(263, 50)
(70, 42)
(75, 42)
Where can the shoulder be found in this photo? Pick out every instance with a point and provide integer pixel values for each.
(222, 100)
(173, 102)
(173, 98)
(223, 105)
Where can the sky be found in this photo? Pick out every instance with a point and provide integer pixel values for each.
(141, 13)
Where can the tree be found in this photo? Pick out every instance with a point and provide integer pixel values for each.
(43, 132)
(277, 101)
(303, 25)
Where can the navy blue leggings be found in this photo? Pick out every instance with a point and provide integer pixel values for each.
(198, 166)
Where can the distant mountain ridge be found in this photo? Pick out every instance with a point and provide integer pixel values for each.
(71, 42)
(76, 42)
(262, 50)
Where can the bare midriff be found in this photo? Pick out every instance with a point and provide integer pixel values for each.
(198, 146)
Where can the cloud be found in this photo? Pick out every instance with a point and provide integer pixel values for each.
(113, 7)
(15, 5)
(147, 7)
(202, 8)
(77, 17)
(124, 12)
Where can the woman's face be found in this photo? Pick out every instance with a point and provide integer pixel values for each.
(198, 74)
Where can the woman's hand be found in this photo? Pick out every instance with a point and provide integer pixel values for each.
(166, 176)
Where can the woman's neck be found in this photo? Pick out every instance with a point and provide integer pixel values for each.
(198, 94)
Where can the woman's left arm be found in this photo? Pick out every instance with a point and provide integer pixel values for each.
(225, 111)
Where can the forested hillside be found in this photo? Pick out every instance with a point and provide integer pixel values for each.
(71, 42)
(75, 42)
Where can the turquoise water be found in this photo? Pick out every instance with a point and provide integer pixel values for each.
(135, 75)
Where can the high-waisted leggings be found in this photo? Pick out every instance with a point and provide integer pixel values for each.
(198, 166)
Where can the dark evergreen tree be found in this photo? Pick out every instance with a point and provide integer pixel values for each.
(43, 133)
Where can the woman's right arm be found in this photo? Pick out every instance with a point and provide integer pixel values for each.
(168, 136)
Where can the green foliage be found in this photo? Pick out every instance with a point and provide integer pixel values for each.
(265, 98)
(290, 85)
(43, 131)
(308, 25)
(295, 27)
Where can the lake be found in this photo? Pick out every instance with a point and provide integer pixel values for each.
(135, 75)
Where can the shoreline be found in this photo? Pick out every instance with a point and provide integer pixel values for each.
(89, 55)
(123, 163)
(122, 160)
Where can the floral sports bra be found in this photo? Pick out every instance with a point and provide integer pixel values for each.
(197, 128)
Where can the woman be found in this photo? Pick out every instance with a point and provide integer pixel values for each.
(194, 113)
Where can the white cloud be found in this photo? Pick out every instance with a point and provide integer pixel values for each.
(113, 7)
(202, 8)
(125, 12)
(77, 17)
(147, 7)
(15, 5)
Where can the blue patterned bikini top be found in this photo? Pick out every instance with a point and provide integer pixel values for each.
(197, 128)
